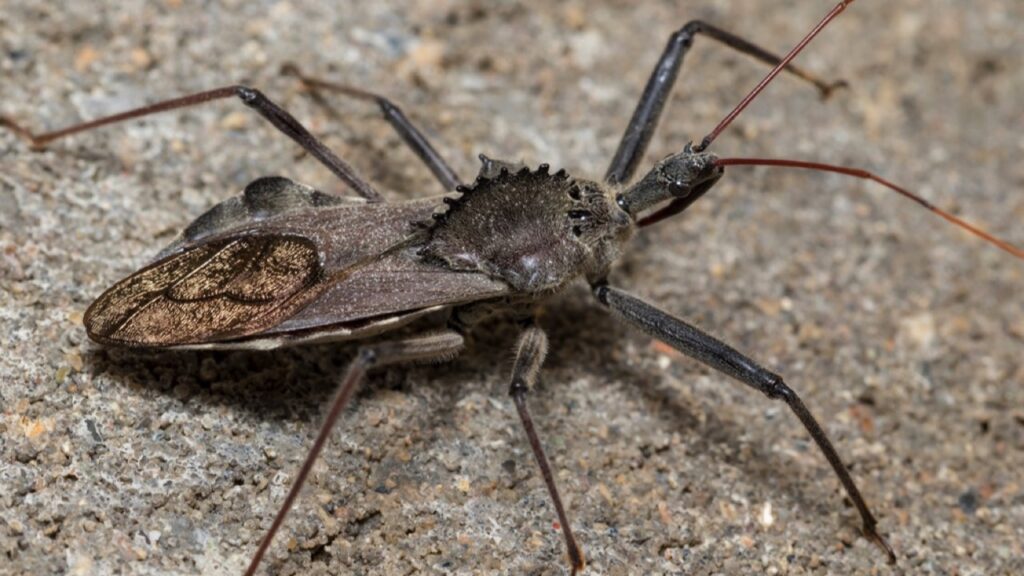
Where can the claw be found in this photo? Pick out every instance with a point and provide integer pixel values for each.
(579, 562)
(875, 537)
(33, 141)
(826, 90)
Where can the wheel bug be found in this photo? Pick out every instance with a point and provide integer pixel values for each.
(311, 195)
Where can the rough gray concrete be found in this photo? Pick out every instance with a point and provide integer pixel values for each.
(902, 333)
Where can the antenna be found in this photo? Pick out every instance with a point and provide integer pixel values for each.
(858, 173)
(707, 140)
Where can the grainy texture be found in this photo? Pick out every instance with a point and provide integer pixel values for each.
(903, 334)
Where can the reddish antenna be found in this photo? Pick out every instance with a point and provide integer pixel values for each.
(707, 140)
(855, 172)
(858, 173)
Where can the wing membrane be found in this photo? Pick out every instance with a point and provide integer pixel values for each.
(225, 289)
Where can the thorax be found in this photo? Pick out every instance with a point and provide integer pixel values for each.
(534, 230)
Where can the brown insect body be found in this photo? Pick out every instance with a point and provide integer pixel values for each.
(283, 264)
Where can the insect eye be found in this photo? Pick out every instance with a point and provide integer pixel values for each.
(678, 188)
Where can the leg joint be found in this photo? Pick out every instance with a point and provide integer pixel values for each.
(389, 108)
(368, 357)
(692, 27)
(248, 95)
(518, 387)
(685, 34)
(776, 388)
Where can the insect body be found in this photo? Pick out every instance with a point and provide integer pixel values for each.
(284, 264)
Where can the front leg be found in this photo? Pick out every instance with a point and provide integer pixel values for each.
(663, 78)
(707, 349)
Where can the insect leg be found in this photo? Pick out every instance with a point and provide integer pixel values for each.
(645, 118)
(411, 135)
(530, 352)
(707, 349)
(430, 347)
(279, 117)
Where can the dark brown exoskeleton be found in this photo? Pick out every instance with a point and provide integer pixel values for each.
(284, 264)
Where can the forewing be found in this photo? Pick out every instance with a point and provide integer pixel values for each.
(397, 282)
(229, 288)
(284, 264)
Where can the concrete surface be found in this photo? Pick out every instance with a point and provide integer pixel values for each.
(902, 333)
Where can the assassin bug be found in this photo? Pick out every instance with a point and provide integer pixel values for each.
(275, 241)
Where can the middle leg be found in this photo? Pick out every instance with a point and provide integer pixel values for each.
(412, 136)
(271, 112)
(530, 352)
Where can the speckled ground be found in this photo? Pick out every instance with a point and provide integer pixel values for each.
(902, 333)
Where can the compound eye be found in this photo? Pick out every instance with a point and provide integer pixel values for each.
(678, 189)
